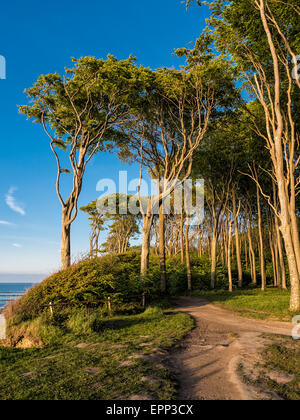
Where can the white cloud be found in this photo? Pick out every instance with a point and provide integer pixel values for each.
(12, 203)
(5, 223)
(17, 245)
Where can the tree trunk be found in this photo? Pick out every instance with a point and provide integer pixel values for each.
(92, 238)
(294, 276)
(162, 250)
(261, 244)
(286, 227)
(65, 241)
(200, 243)
(280, 252)
(229, 256)
(273, 258)
(252, 255)
(213, 275)
(148, 221)
(187, 256)
(145, 246)
(237, 242)
(181, 238)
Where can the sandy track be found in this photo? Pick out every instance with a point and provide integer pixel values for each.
(206, 365)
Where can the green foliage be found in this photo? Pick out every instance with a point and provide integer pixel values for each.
(88, 281)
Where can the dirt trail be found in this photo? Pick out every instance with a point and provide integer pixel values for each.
(206, 365)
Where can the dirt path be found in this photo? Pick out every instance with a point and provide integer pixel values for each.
(206, 365)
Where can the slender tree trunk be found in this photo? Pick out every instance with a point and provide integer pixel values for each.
(252, 254)
(162, 250)
(187, 256)
(181, 238)
(200, 242)
(65, 241)
(97, 241)
(145, 251)
(229, 256)
(273, 259)
(148, 220)
(261, 244)
(280, 253)
(226, 233)
(92, 246)
(237, 242)
(246, 252)
(276, 255)
(213, 276)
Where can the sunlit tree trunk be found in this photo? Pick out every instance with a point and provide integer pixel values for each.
(261, 244)
(181, 238)
(162, 250)
(229, 256)
(65, 241)
(237, 241)
(187, 256)
(213, 275)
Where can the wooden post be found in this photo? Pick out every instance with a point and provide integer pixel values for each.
(109, 304)
(51, 309)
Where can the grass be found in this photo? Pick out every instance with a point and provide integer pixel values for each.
(59, 370)
(253, 303)
(283, 355)
(280, 359)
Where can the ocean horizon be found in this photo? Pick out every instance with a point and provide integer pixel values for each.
(9, 288)
(21, 278)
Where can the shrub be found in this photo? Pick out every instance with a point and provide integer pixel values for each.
(90, 280)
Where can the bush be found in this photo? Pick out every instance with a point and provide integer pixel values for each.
(88, 281)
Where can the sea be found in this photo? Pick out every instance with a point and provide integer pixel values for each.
(8, 289)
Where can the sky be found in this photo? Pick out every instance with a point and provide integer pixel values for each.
(39, 38)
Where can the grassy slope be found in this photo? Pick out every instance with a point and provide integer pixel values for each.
(62, 376)
(254, 303)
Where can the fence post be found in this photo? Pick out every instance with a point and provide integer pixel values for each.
(144, 299)
(109, 304)
(51, 309)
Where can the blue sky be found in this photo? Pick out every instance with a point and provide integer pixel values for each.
(38, 37)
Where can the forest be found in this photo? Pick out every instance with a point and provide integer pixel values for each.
(228, 116)
(190, 289)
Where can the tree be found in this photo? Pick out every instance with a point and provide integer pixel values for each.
(116, 210)
(170, 126)
(265, 62)
(262, 38)
(80, 112)
(97, 222)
